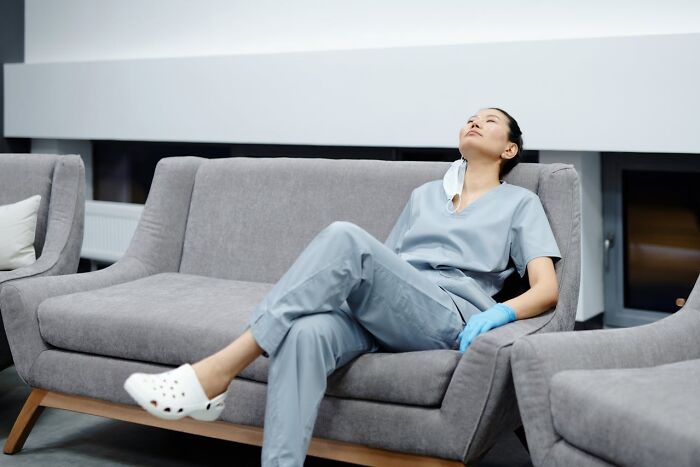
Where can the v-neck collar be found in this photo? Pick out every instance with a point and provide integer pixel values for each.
(467, 207)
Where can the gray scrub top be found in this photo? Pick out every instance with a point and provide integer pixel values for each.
(468, 253)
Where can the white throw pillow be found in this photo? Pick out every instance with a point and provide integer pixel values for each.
(17, 231)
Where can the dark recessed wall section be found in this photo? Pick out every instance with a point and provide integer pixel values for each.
(123, 170)
(307, 151)
(661, 226)
(11, 51)
(651, 216)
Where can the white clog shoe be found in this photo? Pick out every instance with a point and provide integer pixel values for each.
(174, 394)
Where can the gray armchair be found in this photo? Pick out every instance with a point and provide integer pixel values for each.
(60, 180)
(614, 396)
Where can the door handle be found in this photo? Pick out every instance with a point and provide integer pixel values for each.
(608, 243)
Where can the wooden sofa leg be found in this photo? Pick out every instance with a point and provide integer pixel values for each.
(25, 422)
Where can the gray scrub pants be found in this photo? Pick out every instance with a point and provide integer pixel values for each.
(345, 295)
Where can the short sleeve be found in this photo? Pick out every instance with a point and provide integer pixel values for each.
(531, 234)
(395, 237)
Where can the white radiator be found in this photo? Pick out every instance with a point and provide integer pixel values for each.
(108, 229)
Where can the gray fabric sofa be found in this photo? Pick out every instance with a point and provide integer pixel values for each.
(215, 235)
(615, 396)
(60, 180)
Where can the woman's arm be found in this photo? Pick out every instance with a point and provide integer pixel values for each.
(543, 293)
(532, 248)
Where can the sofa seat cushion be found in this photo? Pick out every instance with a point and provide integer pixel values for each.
(177, 318)
(641, 416)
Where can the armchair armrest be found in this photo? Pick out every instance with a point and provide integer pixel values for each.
(20, 300)
(536, 359)
(43, 266)
(64, 231)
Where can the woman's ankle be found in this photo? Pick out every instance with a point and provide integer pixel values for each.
(216, 371)
(213, 382)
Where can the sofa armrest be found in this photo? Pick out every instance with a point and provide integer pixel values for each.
(160, 235)
(20, 300)
(536, 359)
(155, 247)
(480, 400)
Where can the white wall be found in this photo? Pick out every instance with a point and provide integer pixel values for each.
(636, 94)
(87, 30)
(579, 76)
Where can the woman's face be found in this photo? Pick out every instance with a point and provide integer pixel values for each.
(486, 132)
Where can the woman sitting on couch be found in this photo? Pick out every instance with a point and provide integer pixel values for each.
(429, 286)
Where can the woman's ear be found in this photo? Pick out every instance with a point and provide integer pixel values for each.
(510, 151)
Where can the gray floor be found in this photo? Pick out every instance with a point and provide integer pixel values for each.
(64, 438)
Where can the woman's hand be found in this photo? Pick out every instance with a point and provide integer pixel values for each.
(542, 295)
(496, 316)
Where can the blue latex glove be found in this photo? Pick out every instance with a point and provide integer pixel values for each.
(496, 316)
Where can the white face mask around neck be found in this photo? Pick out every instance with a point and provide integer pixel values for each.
(453, 181)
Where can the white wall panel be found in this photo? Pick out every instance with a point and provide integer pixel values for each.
(607, 94)
(88, 30)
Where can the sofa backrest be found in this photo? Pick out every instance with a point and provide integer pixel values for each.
(250, 218)
(25, 175)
